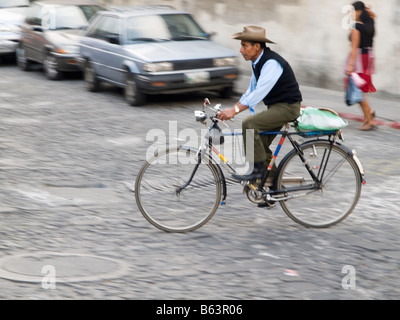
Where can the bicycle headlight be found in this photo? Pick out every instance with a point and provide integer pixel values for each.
(200, 116)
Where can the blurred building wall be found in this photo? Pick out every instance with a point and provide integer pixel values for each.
(312, 35)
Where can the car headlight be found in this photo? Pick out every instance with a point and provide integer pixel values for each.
(158, 66)
(225, 62)
(9, 28)
(68, 49)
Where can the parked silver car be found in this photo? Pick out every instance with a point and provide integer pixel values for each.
(154, 50)
(12, 15)
(51, 35)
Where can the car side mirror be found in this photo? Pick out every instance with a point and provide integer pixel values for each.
(113, 39)
(211, 34)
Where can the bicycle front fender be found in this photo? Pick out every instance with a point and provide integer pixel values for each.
(214, 166)
(223, 182)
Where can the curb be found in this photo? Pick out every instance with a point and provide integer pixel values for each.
(355, 117)
(351, 116)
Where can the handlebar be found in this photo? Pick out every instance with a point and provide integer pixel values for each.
(201, 116)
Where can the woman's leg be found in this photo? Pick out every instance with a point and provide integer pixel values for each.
(369, 114)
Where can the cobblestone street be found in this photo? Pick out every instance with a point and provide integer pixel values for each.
(67, 160)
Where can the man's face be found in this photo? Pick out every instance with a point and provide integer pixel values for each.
(250, 52)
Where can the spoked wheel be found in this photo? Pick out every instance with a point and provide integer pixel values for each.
(332, 201)
(161, 201)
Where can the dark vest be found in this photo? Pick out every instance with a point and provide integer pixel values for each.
(286, 89)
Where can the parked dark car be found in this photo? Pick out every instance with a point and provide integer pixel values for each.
(51, 35)
(12, 15)
(154, 50)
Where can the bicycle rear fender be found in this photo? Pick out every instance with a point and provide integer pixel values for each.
(215, 167)
(351, 152)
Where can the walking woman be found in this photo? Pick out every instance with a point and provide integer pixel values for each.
(361, 59)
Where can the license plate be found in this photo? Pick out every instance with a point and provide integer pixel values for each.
(197, 77)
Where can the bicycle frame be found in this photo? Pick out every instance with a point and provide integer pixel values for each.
(285, 134)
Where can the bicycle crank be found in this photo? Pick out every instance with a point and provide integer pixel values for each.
(254, 195)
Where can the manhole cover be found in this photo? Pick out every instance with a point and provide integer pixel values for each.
(66, 267)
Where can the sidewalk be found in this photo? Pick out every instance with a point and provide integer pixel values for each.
(387, 111)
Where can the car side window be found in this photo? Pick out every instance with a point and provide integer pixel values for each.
(34, 16)
(107, 28)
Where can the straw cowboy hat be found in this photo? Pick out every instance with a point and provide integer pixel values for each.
(252, 33)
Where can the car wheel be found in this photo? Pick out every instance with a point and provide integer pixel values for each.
(22, 61)
(226, 92)
(92, 83)
(50, 66)
(132, 94)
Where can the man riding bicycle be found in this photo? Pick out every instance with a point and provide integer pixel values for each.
(272, 82)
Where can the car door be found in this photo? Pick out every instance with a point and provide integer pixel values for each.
(33, 32)
(105, 43)
(41, 23)
(48, 24)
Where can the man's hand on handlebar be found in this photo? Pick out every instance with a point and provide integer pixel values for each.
(227, 113)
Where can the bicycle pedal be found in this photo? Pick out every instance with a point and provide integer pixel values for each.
(267, 204)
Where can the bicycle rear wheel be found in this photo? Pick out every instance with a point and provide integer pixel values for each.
(157, 196)
(338, 194)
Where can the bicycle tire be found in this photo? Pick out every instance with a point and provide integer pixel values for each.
(156, 186)
(341, 185)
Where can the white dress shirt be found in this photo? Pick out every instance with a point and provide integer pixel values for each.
(257, 90)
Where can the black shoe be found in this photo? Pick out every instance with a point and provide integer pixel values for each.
(258, 172)
(267, 204)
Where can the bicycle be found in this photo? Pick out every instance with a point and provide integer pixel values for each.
(317, 183)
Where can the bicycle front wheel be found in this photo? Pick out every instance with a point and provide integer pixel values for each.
(166, 201)
(331, 202)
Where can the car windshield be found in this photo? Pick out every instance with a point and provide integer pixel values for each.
(90, 10)
(13, 3)
(164, 27)
(71, 17)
